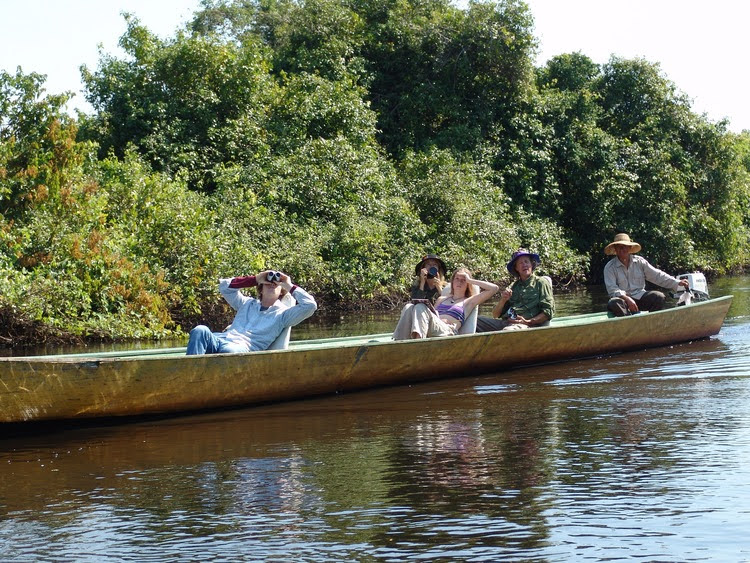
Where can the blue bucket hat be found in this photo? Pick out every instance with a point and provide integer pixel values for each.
(535, 261)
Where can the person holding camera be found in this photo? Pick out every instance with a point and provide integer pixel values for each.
(525, 303)
(257, 322)
(426, 289)
(430, 272)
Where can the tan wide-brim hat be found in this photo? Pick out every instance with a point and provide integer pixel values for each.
(624, 240)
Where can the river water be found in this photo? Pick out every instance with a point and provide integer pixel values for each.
(642, 456)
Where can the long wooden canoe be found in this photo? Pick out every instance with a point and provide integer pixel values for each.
(75, 386)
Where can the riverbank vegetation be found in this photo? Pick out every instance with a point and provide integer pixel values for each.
(338, 141)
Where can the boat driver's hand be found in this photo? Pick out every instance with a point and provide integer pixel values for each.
(632, 305)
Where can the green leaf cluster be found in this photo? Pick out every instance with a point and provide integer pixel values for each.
(626, 154)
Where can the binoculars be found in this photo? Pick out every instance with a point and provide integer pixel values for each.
(512, 313)
(432, 272)
(273, 277)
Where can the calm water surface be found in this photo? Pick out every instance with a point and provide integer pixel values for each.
(643, 456)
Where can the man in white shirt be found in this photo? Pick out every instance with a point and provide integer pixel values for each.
(258, 322)
(625, 278)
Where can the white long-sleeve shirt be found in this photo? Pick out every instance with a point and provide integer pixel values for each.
(631, 281)
(258, 329)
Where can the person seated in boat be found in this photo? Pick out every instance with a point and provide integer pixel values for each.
(428, 285)
(257, 322)
(430, 275)
(420, 319)
(625, 277)
(525, 303)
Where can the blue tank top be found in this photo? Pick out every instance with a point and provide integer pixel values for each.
(455, 310)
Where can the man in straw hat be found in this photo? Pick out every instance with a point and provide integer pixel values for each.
(625, 278)
(525, 303)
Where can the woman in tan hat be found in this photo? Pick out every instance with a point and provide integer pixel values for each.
(625, 278)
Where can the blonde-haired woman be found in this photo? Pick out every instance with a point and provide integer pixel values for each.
(422, 320)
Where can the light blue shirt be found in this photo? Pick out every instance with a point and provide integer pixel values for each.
(258, 329)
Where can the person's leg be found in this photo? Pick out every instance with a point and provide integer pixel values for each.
(438, 327)
(404, 327)
(652, 301)
(202, 341)
(515, 327)
(423, 323)
(618, 307)
(426, 323)
(419, 325)
(488, 324)
(229, 347)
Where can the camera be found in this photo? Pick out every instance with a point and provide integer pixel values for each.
(273, 277)
(432, 272)
(512, 313)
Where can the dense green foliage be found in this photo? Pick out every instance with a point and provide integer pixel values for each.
(338, 140)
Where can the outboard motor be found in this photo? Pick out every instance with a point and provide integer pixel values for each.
(698, 287)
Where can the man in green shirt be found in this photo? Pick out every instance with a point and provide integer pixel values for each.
(527, 302)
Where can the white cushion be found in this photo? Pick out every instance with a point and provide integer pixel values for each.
(282, 340)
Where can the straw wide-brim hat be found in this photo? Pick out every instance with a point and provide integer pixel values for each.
(434, 257)
(535, 261)
(624, 240)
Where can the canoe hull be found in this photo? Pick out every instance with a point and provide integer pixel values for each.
(72, 387)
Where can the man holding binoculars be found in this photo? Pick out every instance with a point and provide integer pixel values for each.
(258, 322)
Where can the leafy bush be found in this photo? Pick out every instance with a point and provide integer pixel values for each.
(469, 219)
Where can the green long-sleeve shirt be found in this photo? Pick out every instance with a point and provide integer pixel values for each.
(532, 297)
